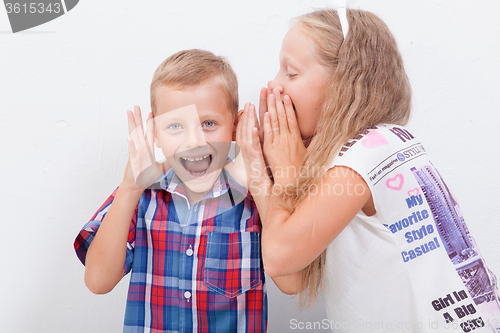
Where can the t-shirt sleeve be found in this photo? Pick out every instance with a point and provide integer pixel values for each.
(368, 153)
(87, 234)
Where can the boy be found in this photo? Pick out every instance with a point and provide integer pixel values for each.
(191, 240)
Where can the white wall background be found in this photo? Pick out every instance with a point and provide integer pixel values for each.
(65, 87)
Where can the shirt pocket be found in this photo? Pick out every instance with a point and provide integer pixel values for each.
(232, 263)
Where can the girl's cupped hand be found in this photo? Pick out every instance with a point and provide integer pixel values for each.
(283, 146)
(282, 149)
(247, 138)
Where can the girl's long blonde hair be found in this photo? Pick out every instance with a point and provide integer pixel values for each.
(368, 86)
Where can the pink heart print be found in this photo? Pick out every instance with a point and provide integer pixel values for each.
(395, 183)
(414, 192)
(373, 140)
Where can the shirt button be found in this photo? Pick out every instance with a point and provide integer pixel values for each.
(189, 252)
(187, 295)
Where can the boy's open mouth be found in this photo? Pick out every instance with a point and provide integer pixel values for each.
(197, 166)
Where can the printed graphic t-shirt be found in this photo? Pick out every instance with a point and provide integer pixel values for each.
(413, 266)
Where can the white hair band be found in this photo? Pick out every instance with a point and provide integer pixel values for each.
(343, 20)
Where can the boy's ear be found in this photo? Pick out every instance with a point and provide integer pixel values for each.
(155, 138)
(236, 121)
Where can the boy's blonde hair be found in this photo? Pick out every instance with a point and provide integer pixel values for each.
(368, 86)
(190, 68)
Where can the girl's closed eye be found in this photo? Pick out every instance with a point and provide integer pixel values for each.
(290, 75)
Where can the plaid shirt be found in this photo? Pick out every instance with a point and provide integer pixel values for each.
(194, 268)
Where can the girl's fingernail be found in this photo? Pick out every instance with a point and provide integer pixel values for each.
(271, 97)
(287, 98)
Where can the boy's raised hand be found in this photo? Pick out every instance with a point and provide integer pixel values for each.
(142, 168)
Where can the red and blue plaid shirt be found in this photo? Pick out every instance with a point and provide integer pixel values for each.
(193, 268)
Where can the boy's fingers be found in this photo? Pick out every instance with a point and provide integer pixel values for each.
(290, 116)
(281, 115)
(135, 132)
(130, 121)
(247, 108)
(136, 137)
(131, 148)
(238, 129)
(244, 124)
(150, 131)
(138, 116)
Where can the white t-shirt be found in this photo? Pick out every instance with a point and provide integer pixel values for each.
(413, 266)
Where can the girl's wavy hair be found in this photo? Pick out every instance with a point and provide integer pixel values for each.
(367, 86)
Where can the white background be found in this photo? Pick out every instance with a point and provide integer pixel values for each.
(65, 87)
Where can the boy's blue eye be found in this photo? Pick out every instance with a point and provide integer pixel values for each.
(209, 124)
(174, 126)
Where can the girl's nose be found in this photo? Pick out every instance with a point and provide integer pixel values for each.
(275, 84)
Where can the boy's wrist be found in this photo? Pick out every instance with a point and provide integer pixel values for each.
(132, 189)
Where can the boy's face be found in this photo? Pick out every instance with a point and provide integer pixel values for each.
(194, 127)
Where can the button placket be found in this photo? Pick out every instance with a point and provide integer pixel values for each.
(189, 252)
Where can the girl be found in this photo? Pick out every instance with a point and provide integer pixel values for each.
(355, 209)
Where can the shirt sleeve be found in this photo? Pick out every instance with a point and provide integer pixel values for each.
(87, 234)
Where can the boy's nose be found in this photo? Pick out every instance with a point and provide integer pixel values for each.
(195, 138)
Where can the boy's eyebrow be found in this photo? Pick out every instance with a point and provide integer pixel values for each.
(181, 110)
(176, 114)
(210, 113)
